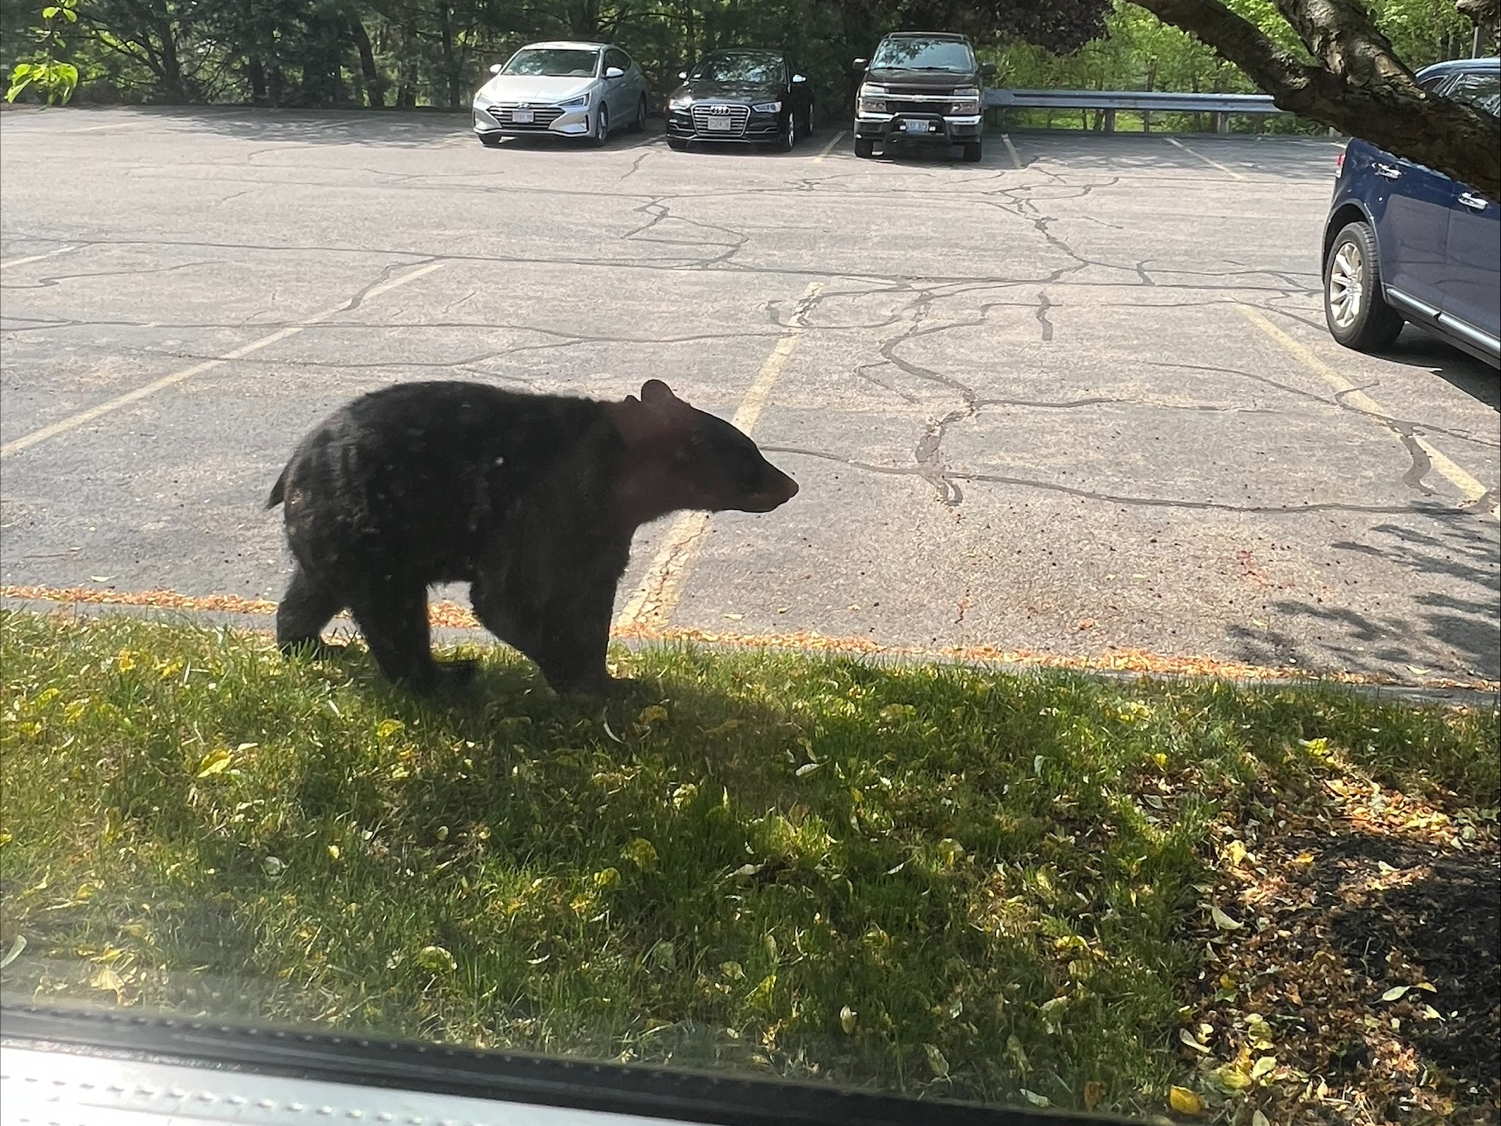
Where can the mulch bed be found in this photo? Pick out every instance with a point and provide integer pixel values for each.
(1364, 967)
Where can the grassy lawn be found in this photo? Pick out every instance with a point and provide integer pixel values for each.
(948, 882)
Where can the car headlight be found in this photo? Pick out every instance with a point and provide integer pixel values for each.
(767, 107)
(965, 105)
(872, 99)
(681, 101)
(579, 102)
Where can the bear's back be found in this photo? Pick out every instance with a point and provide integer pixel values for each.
(420, 474)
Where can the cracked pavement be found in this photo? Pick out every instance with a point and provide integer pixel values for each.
(1025, 407)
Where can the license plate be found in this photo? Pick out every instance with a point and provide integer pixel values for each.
(721, 124)
(916, 126)
(521, 116)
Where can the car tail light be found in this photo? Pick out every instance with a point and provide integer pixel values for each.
(1339, 166)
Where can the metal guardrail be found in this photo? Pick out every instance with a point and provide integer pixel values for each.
(1142, 101)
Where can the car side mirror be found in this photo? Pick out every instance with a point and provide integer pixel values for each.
(988, 70)
(495, 68)
(796, 78)
(859, 65)
(682, 76)
(614, 72)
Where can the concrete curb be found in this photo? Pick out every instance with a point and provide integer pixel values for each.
(448, 635)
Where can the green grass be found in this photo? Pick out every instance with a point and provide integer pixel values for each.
(930, 879)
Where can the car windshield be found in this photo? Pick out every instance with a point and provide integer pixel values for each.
(738, 68)
(924, 54)
(553, 62)
(981, 596)
(1483, 91)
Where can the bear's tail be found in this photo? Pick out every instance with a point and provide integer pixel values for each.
(278, 490)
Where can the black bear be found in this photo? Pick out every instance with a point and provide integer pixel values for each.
(531, 499)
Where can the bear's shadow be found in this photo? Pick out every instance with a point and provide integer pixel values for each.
(517, 734)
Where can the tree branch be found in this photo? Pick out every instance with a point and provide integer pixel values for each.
(1370, 95)
(1340, 34)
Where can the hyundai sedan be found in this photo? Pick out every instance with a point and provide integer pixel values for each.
(583, 90)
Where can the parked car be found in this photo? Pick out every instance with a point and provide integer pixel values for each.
(1404, 243)
(749, 97)
(921, 87)
(583, 90)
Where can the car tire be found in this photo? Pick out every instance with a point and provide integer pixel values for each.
(864, 148)
(808, 121)
(601, 132)
(639, 125)
(1355, 307)
(972, 152)
(677, 144)
(489, 140)
(789, 138)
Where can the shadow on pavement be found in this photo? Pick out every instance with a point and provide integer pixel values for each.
(1469, 626)
(1419, 349)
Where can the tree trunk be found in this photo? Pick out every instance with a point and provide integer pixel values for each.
(406, 93)
(172, 82)
(375, 85)
(257, 75)
(583, 19)
(445, 36)
(1361, 88)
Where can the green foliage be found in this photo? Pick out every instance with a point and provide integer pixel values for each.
(1139, 52)
(436, 52)
(53, 78)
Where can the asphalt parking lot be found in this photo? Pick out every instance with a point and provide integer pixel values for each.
(1075, 399)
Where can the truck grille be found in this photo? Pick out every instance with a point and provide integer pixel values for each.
(542, 116)
(894, 105)
(939, 92)
(737, 116)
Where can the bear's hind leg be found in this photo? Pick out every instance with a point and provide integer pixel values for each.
(303, 612)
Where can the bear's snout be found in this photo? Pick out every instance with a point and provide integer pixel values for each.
(776, 490)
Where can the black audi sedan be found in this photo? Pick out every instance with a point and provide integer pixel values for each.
(749, 97)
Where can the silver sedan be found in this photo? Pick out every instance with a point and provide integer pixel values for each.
(584, 90)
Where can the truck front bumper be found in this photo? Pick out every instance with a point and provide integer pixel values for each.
(926, 128)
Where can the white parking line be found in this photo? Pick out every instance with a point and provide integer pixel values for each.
(1205, 159)
(8, 263)
(828, 148)
(1472, 489)
(657, 597)
(1016, 160)
(73, 421)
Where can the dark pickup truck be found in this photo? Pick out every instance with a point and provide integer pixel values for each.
(921, 87)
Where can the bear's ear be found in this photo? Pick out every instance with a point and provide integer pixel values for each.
(638, 422)
(657, 393)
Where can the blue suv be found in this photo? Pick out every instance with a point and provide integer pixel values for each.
(1405, 243)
